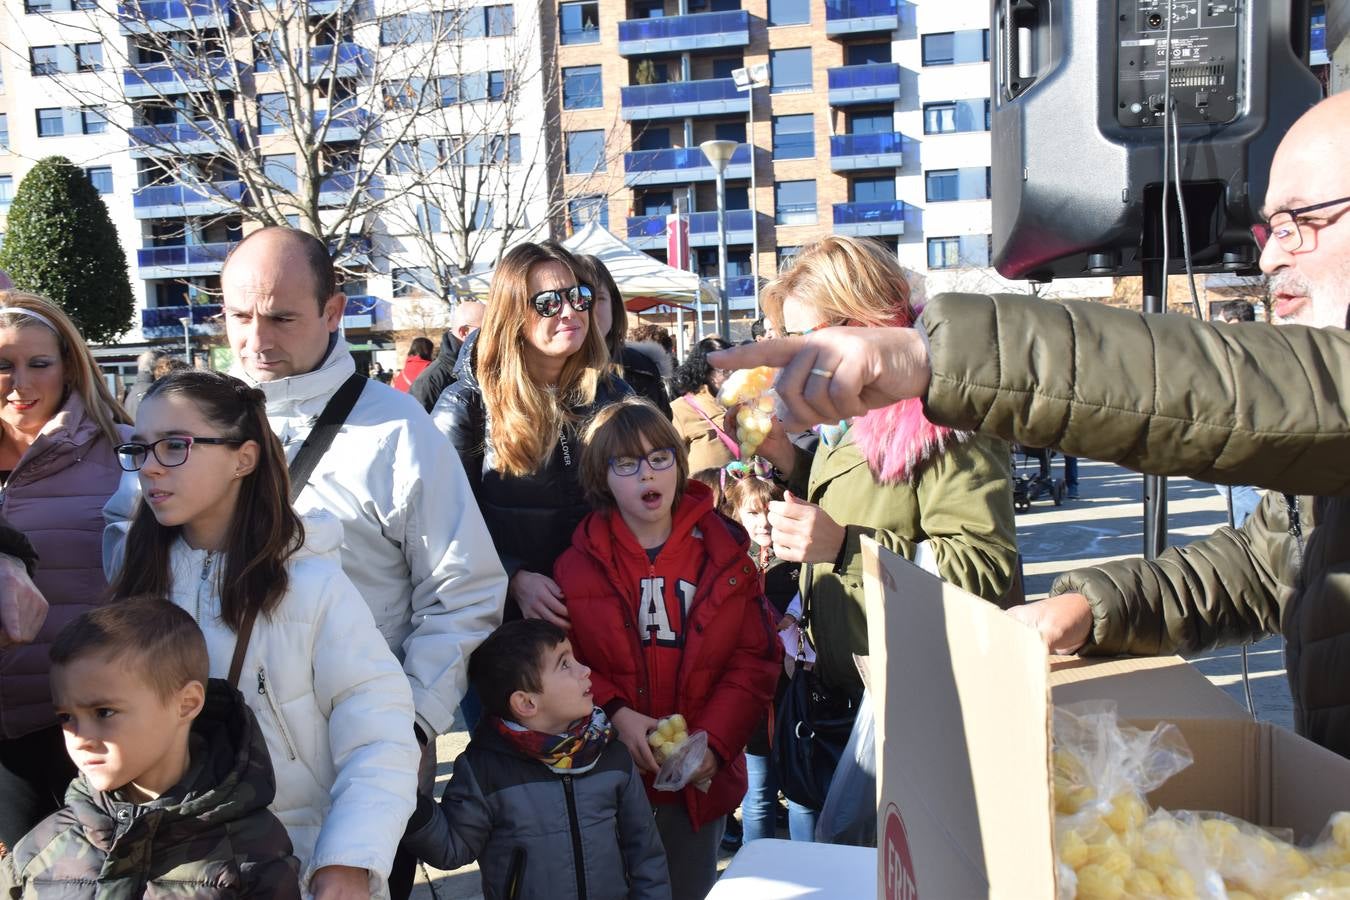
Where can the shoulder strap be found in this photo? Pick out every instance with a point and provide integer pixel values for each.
(321, 436)
(725, 438)
(241, 647)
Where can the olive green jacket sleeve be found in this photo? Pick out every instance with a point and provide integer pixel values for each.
(1164, 394)
(1227, 588)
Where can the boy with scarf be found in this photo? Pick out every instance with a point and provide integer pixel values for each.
(543, 797)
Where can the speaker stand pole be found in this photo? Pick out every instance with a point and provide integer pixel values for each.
(1155, 486)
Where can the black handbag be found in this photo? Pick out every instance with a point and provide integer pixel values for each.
(813, 724)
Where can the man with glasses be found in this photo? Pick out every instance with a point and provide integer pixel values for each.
(414, 541)
(1249, 404)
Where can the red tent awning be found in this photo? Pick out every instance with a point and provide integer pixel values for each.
(643, 304)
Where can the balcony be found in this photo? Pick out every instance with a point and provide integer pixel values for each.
(872, 83)
(183, 138)
(739, 286)
(162, 322)
(676, 100)
(680, 166)
(348, 59)
(337, 189)
(346, 125)
(866, 151)
(366, 311)
(182, 261)
(172, 15)
(678, 34)
(884, 217)
(649, 232)
(861, 16)
(173, 201)
(166, 79)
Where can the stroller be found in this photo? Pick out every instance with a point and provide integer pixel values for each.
(1028, 488)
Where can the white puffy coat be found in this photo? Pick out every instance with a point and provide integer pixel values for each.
(332, 702)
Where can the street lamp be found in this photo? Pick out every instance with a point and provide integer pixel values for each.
(747, 79)
(186, 322)
(719, 154)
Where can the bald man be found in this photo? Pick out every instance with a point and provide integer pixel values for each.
(1235, 404)
(435, 378)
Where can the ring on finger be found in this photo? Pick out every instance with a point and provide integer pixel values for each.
(823, 373)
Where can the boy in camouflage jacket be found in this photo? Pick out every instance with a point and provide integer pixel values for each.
(175, 777)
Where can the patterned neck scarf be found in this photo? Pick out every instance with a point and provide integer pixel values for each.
(573, 752)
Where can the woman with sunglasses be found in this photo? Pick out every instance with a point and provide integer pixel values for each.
(58, 425)
(215, 534)
(534, 372)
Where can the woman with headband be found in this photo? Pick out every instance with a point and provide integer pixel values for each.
(58, 426)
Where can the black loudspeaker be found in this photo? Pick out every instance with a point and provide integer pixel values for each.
(1078, 128)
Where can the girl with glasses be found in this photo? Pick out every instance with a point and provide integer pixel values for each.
(58, 425)
(215, 534)
(669, 613)
(536, 369)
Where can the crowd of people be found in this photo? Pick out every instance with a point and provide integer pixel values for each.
(234, 623)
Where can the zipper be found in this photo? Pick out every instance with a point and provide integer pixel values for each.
(201, 583)
(514, 874)
(276, 713)
(641, 656)
(578, 857)
(652, 629)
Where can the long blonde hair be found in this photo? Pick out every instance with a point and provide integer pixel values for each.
(847, 280)
(80, 370)
(527, 417)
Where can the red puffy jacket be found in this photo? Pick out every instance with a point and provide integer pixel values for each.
(709, 651)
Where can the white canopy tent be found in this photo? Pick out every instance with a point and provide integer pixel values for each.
(636, 273)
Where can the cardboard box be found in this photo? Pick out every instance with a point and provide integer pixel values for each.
(771, 869)
(962, 695)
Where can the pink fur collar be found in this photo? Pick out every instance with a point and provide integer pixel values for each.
(895, 440)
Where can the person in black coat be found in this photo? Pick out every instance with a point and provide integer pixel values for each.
(644, 366)
(22, 606)
(435, 378)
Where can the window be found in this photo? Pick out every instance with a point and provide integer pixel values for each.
(4, 131)
(956, 47)
(944, 185)
(280, 169)
(584, 210)
(872, 190)
(654, 139)
(794, 137)
(579, 23)
(498, 85)
(730, 131)
(6, 191)
(412, 282)
(482, 214)
(956, 116)
(42, 60)
(582, 87)
(473, 87)
(585, 152)
(959, 252)
(871, 123)
(408, 28)
(722, 68)
(650, 9)
(795, 202)
(37, 6)
(51, 123)
(93, 120)
(429, 218)
(867, 54)
(790, 70)
(785, 257)
(496, 149)
(101, 178)
(413, 157)
(89, 57)
(274, 116)
(789, 12)
(501, 21)
(656, 203)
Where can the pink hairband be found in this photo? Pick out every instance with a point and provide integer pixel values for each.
(20, 311)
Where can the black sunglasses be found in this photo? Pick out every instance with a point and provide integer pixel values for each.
(549, 303)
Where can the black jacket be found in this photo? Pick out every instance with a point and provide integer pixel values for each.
(537, 834)
(15, 543)
(647, 372)
(435, 378)
(531, 519)
(210, 836)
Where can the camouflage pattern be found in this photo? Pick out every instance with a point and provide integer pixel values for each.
(213, 837)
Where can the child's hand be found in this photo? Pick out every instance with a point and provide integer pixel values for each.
(787, 621)
(539, 597)
(707, 770)
(340, 883)
(633, 728)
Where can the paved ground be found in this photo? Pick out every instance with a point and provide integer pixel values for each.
(1103, 524)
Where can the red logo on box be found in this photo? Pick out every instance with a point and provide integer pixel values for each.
(900, 881)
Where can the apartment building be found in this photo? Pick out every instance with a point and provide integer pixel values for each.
(860, 117)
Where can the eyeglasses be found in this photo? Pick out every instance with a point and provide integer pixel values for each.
(1286, 229)
(170, 451)
(657, 461)
(549, 303)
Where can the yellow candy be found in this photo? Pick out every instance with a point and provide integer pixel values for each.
(655, 739)
(1294, 862)
(1143, 883)
(1073, 849)
(1158, 859)
(1178, 883)
(1127, 813)
(1340, 830)
(1095, 883)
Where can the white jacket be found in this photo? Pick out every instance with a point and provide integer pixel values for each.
(414, 542)
(331, 700)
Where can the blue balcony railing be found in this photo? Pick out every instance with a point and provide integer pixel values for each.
(342, 54)
(678, 159)
(699, 223)
(164, 74)
(837, 10)
(870, 75)
(878, 144)
(164, 321)
(338, 183)
(741, 286)
(178, 133)
(349, 119)
(699, 31)
(151, 11)
(873, 212)
(182, 194)
(681, 93)
(183, 255)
